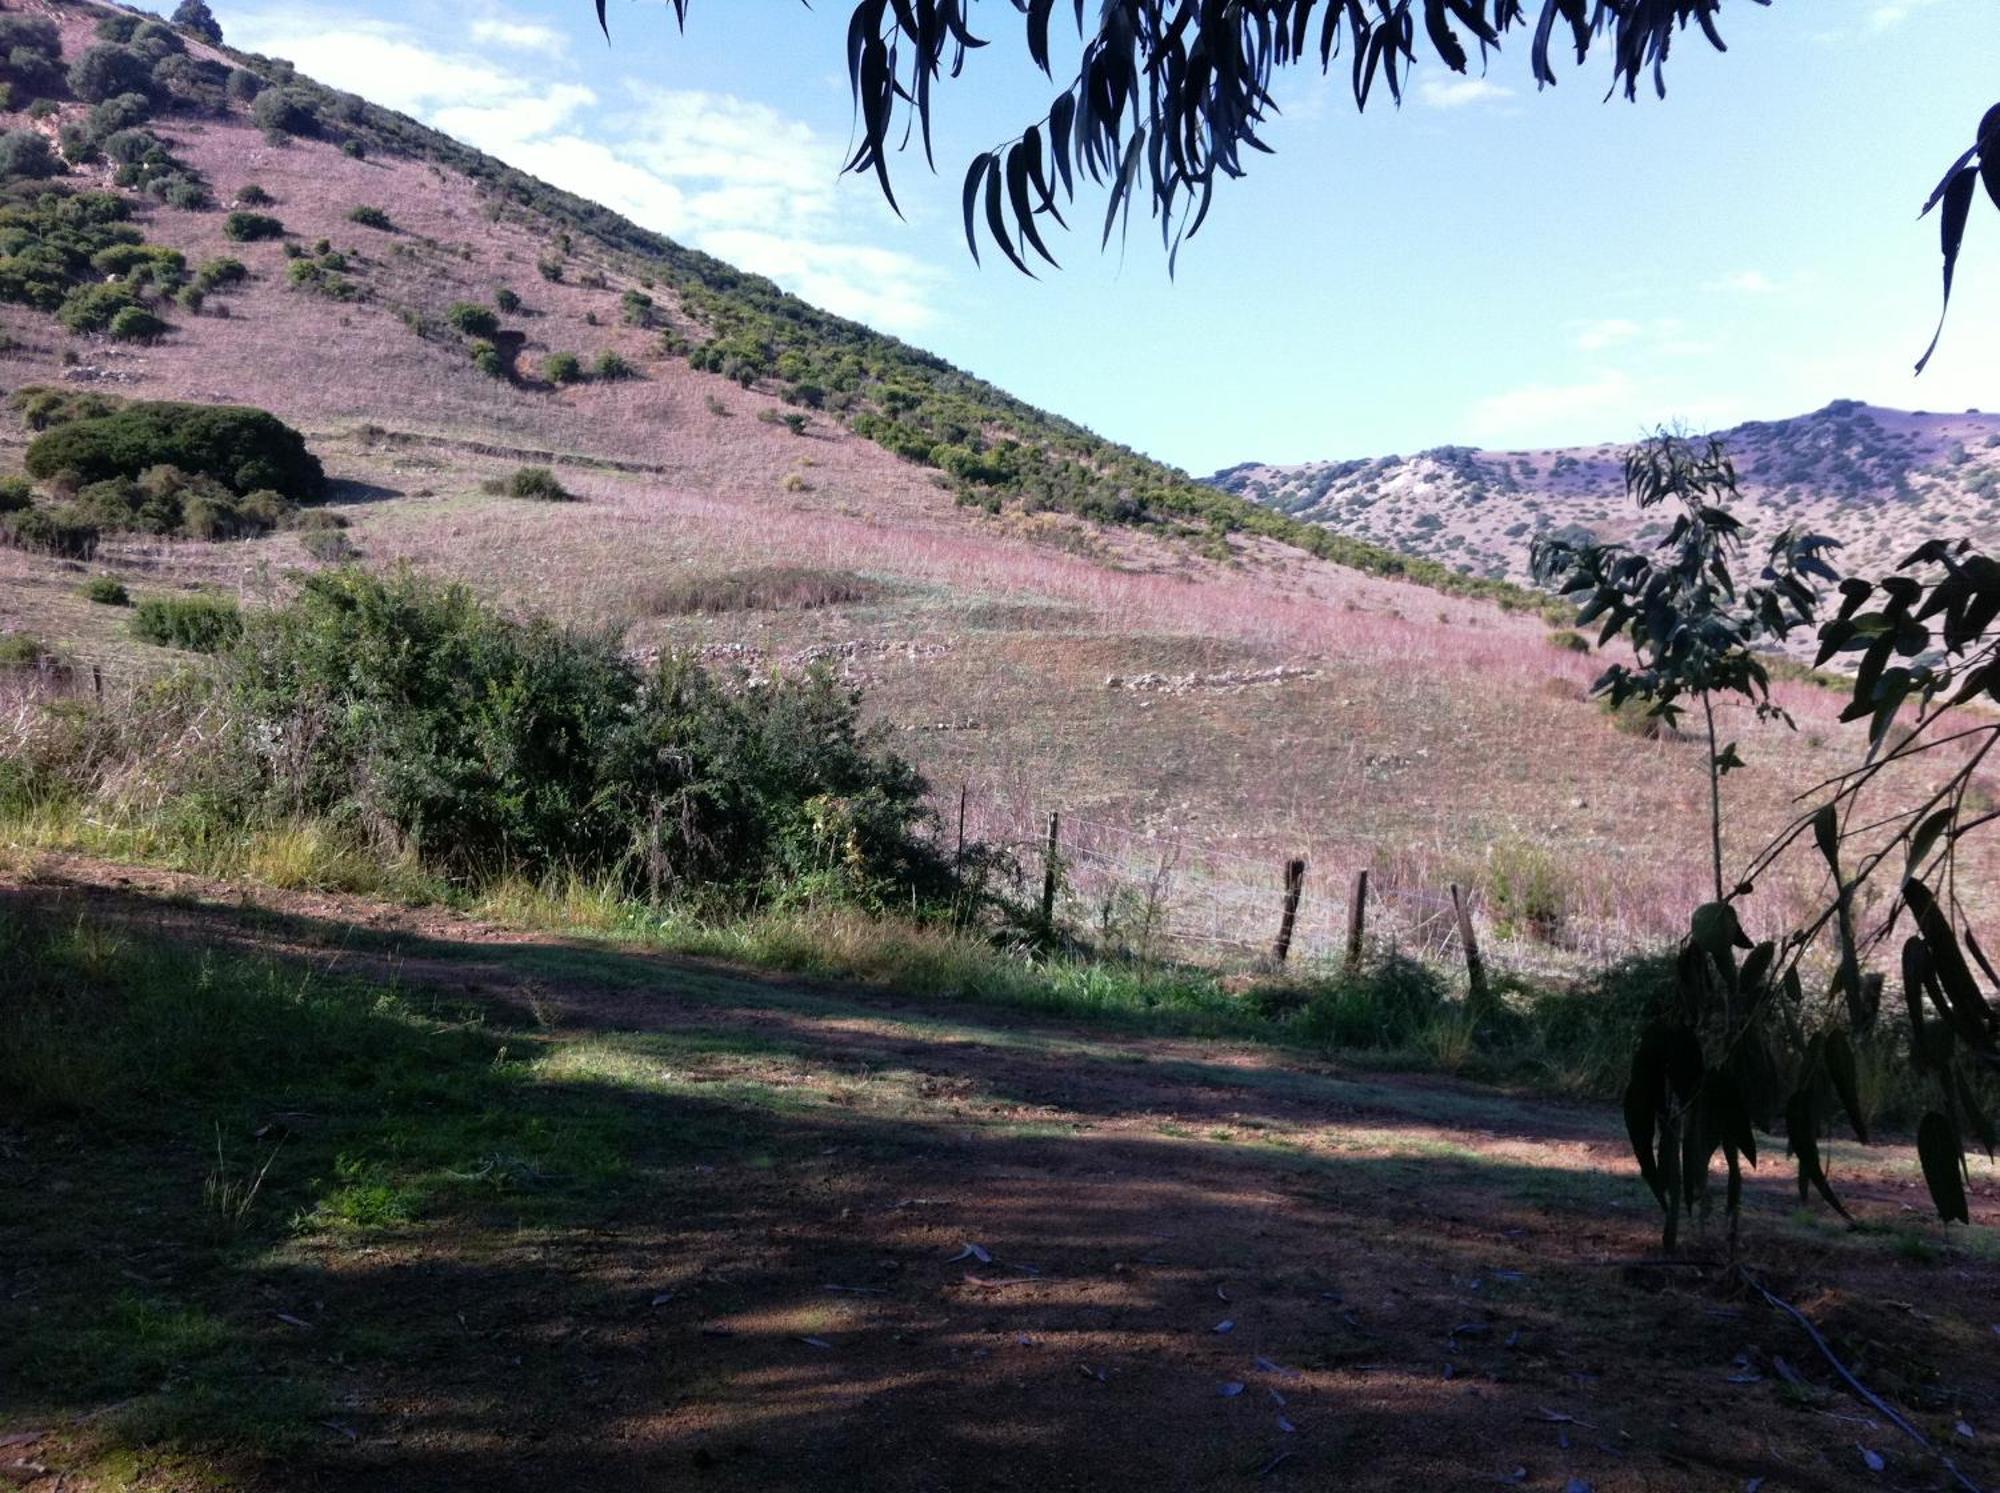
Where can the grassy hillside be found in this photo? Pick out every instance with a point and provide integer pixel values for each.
(1880, 480)
(1039, 618)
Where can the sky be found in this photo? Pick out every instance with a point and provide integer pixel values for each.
(1487, 265)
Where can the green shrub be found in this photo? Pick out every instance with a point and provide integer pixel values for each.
(16, 493)
(91, 308)
(253, 195)
(109, 69)
(199, 624)
(328, 546)
(124, 111)
(136, 324)
(167, 500)
(537, 484)
(488, 359)
(214, 274)
(27, 154)
(1526, 890)
(156, 40)
(106, 591)
(242, 85)
(245, 228)
(57, 531)
(129, 147)
(611, 367)
(195, 18)
(285, 111)
(763, 588)
(20, 650)
(370, 217)
(473, 319)
(36, 33)
(506, 300)
(244, 449)
(562, 368)
(484, 744)
(1387, 1006)
(44, 406)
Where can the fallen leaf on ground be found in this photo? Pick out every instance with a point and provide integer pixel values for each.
(1230, 1390)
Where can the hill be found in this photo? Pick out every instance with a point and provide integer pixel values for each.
(1044, 620)
(1877, 479)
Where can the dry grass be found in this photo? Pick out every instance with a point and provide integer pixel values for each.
(764, 588)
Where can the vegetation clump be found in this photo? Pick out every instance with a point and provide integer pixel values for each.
(198, 624)
(246, 450)
(247, 228)
(763, 588)
(370, 217)
(106, 591)
(536, 484)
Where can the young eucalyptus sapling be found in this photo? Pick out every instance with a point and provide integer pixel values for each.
(1714, 1067)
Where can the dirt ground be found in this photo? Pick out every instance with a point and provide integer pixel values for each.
(905, 1246)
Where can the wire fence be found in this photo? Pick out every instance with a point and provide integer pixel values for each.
(1175, 893)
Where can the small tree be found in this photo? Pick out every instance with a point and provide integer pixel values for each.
(195, 18)
(1693, 629)
(109, 69)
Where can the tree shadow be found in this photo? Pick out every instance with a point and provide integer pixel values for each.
(615, 1254)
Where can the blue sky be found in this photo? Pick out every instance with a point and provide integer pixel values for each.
(1487, 265)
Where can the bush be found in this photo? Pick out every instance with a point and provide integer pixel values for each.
(109, 69)
(57, 531)
(130, 147)
(611, 367)
(27, 155)
(370, 217)
(419, 713)
(35, 33)
(195, 18)
(246, 228)
(1527, 890)
(764, 588)
(537, 484)
(253, 195)
(106, 591)
(506, 300)
(562, 368)
(200, 624)
(117, 27)
(91, 308)
(243, 85)
(214, 274)
(328, 546)
(156, 40)
(136, 324)
(488, 359)
(1387, 1006)
(473, 319)
(244, 449)
(167, 500)
(285, 111)
(124, 111)
(16, 493)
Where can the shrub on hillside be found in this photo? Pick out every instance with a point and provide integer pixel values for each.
(610, 367)
(246, 228)
(135, 324)
(195, 18)
(200, 624)
(214, 274)
(167, 500)
(488, 359)
(285, 111)
(370, 217)
(506, 300)
(473, 319)
(91, 308)
(253, 195)
(244, 449)
(26, 155)
(34, 33)
(56, 530)
(107, 591)
(156, 40)
(764, 588)
(16, 493)
(418, 713)
(537, 484)
(42, 406)
(109, 69)
(243, 85)
(562, 368)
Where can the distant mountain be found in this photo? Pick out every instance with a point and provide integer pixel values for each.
(1876, 479)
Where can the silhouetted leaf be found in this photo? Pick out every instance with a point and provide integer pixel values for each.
(1943, 1158)
(1838, 1054)
(1957, 208)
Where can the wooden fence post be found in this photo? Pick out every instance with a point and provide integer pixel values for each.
(1357, 919)
(1475, 967)
(1295, 881)
(1049, 867)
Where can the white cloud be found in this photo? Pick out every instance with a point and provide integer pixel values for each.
(1537, 414)
(1883, 14)
(520, 36)
(737, 178)
(1595, 336)
(1749, 282)
(1457, 93)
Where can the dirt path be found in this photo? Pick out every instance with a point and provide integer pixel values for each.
(931, 1246)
